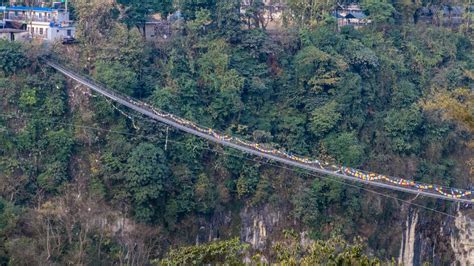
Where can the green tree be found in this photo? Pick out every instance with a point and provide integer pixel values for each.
(247, 182)
(305, 12)
(402, 127)
(229, 252)
(222, 85)
(190, 7)
(60, 145)
(146, 178)
(59, 150)
(334, 251)
(457, 105)
(254, 15)
(28, 98)
(324, 119)
(263, 190)
(407, 9)
(404, 94)
(53, 177)
(117, 77)
(12, 58)
(205, 192)
(126, 47)
(135, 12)
(95, 21)
(290, 129)
(346, 148)
(203, 18)
(8, 219)
(317, 70)
(379, 11)
(228, 19)
(361, 58)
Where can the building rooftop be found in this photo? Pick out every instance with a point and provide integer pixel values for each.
(358, 15)
(341, 15)
(453, 10)
(8, 30)
(29, 8)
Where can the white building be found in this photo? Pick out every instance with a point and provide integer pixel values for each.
(351, 15)
(41, 22)
(14, 35)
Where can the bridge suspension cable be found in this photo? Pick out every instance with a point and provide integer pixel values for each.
(221, 152)
(314, 165)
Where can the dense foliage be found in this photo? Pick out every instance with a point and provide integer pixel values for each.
(334, 251)
(83, 181)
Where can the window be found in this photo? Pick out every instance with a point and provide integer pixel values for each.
(46, 33)
(32, 30)
(41, 31)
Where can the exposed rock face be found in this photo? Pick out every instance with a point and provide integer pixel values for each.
(409, 237)
(462, 241)
(437, 240)
(118, 224)
(425, 238)
(219, 226)
(257, 225)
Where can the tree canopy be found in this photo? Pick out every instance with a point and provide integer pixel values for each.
(86, 181)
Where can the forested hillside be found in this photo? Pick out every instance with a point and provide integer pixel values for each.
(85, 181)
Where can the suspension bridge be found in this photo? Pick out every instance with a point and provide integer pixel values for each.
(313, 165)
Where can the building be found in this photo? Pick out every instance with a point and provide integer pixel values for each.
(50, 24)
(14, 34)
(446, 15)
(156, 28)
(351, 15)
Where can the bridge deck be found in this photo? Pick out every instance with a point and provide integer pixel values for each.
(171, 120)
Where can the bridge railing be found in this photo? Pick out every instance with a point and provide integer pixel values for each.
(361, 174)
